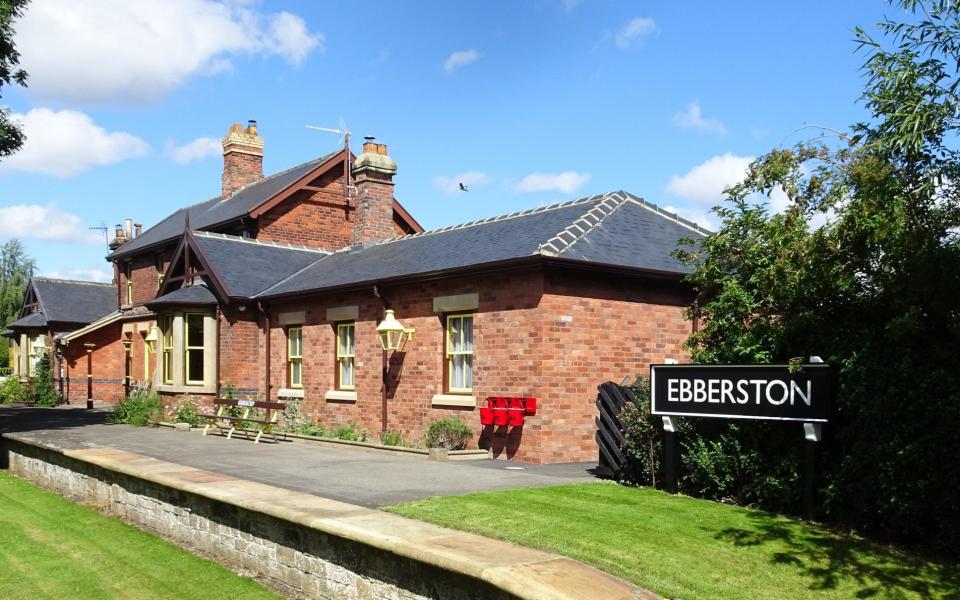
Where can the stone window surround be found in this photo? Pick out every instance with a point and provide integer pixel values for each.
(210, 345)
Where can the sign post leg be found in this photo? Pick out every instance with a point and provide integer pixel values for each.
(669, 455)
(812, 433)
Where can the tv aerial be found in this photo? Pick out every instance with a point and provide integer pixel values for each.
(344, 137)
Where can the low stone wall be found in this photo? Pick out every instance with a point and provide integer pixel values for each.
(295, 560)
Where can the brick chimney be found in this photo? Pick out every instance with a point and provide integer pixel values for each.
(373, 173)
(242, 158)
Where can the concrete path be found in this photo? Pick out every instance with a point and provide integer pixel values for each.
(347, 475)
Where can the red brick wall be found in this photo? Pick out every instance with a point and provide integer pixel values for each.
(554, 336)
(316, 219)
(242, 165)
(598, 329)
(241, 364)
(108, 357)
(144, 276)
(374, 207)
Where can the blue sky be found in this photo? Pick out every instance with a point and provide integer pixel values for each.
(529, 102)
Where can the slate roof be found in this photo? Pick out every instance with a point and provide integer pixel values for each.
(30, 321)
(198, 294)
(66, 301)
(215, 211)
(611, 229)
(247, 266)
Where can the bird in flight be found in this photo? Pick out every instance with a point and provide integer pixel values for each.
(463, 188)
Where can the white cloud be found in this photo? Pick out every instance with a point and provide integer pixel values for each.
(703, 218)
(91, 274)
(450, 185)
(569, 5)
(706, 181)
(66, 142)
(32, 221)
(566, 182)
(634, 30)
(692, 118)
(198, 149)
(459, 59)
(102, 51)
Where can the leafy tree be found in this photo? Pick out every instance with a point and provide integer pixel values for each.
(15, 271)
(862, 268)
(44, 392)
(11, 135)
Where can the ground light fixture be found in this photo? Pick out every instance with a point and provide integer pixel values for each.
(392, 333)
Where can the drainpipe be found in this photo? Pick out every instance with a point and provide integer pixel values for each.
(383, 379)
(266, 350)
(216, 392)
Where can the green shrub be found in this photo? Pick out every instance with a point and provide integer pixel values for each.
(44, 393)
(313, 429)
(393, 438)
(345, 432)
(188, 412)
(452, 434)
(138, 409)
(11, 390)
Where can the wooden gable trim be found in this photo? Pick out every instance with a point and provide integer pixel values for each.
(188, 244)
(30, 294)
(304, 184)
(296, 186)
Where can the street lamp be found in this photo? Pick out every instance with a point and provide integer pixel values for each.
(392, 333)
(392, 336)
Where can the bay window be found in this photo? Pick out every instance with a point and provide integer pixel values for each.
(193, 348)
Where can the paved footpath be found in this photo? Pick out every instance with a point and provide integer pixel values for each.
(360, 477)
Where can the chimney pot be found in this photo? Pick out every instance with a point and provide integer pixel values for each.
(128, 228)
(137, 229)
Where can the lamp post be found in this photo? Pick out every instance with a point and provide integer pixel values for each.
(127, 360)
(89, 349)
(393, 335)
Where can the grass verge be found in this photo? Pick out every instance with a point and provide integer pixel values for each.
(52, 548)
(682, 547)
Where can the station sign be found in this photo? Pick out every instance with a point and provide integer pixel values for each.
(766, 392)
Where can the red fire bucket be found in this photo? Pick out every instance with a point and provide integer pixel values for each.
(486, 416)
(515, 418)
(500, 416)
(530, 406)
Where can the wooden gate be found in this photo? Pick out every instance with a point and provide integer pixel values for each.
(611, 398)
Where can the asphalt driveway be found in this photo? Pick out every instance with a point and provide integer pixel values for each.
(345, 474)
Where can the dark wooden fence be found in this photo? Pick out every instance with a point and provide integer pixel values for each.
(611, 398)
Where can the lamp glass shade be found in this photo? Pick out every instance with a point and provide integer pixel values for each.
(390, 331)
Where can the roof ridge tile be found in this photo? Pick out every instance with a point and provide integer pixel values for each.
(567, 237)
(270, 243)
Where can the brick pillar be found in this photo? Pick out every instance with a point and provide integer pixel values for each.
(373, 173)
(242, 158)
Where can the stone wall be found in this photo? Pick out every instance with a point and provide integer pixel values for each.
(293, 559)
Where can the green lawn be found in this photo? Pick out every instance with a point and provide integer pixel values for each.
(52, 548)
(686, 548)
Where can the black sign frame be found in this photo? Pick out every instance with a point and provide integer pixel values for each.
(820, 376)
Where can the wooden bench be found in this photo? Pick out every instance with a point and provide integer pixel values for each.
(223, 421)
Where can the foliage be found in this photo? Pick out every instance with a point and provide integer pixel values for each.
(293, 420)
(60, 550)
(313, 429)
(187, 411)
(681, 547)
(15, 271)
(452, 434)
(43, 392)
(863, 269)
(643, 436)
(12, 391)
(11, 133)
(138, 409)
(393, 438)
(349, 433)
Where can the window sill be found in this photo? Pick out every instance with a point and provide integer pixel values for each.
(290, 393)
(187, 389)
(453, 400)
(340, 395)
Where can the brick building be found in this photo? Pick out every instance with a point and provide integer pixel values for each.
(277, 287)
